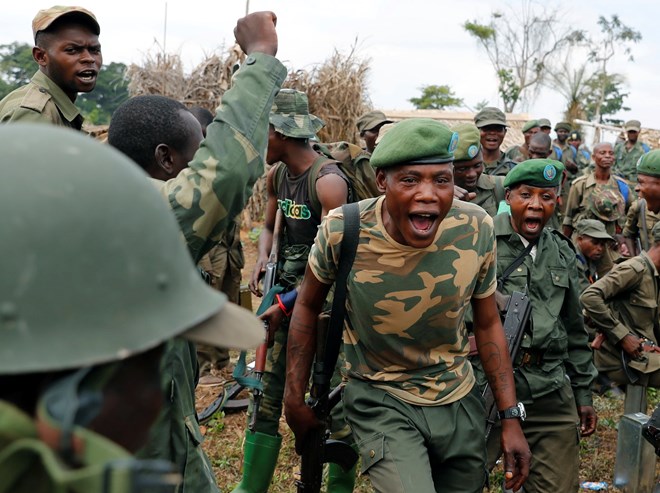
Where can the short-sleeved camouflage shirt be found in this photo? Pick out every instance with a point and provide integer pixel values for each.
(405, 306)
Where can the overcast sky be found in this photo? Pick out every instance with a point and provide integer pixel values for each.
(410, 43)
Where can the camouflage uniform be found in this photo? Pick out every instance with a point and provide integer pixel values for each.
(554, 349)
(406, 348)
(579, 201)
(626, 160)
(40, 101)
(633, 227)
(621, 303)
(205, 198)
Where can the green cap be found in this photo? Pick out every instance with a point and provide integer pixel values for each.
(635, 125)
(649, 164)
(544, 122)
(530, 125)
(469, 141)
(416, 141)
(290, 115)
(371, 120)
(117, 282)
(544, 173)
(45, 18)
(593, 228)
(490, 116)
(564, 126)
(607, 205)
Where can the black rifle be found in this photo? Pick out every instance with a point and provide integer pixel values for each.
(518, 311)
(317, 448)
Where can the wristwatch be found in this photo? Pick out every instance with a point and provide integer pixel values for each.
(517, 411)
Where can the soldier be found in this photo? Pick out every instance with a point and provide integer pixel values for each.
(582, 152)
(291, 128)
(598, 195)
(492, 126)
(85, 319)
(624, 306)
(207, 185)
(421, 259)
(628, 153)
(68, 52)
(468, 170)
(369, 125)
(545, 125)
(591, 243)
(648, 180)
(519, 153)
(554, 370)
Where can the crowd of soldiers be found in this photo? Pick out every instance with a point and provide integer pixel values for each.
(105, 329)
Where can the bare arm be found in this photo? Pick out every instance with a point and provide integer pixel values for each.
(332, 192)
(301, 348)
(266, 236)
(494, 355)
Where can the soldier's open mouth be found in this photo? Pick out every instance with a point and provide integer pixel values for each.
(422, 222)
(87, 75)
(533, 224)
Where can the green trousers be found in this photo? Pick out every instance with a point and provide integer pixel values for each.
(422, 449)
(552, 429)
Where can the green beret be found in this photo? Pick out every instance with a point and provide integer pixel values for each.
(469, 141)
(564, 126)
(649, 164)
(415, 141)
(544, 122)
(529, 125)
(575, 135)
(544, 173)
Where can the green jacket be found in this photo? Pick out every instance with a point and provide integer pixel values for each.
(206, 197)
(28, 465)
(490, 192)
(626, 160)
(40, 101)
(500, 167)
(557, 333)
(621, 303)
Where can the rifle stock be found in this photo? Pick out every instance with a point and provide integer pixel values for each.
(268, 284)
(518, 312)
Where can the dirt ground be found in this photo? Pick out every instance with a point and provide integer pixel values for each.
(225, 432)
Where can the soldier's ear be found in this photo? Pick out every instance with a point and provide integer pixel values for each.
(381, 179)
(164, 158)
(40, 56)
(507, 194)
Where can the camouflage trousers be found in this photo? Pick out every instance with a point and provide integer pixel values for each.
(422, 449)
(270, 408)
(552, 429)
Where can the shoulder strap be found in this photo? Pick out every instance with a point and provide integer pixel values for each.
(347, 252)
(558, 152)
(645, 147)
(623, 188)
(517, 261)
(278, 176)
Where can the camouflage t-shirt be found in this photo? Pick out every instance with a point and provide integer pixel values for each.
(404, 328)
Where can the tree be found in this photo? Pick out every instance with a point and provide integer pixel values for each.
(615, 35)
(571, 83)
(17, 68)
(604, 95)
(436, 98)
(522, 47)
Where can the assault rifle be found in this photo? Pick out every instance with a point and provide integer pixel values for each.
(268, 285)
(518, 311)
(317, 448)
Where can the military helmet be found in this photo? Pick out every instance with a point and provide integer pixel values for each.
(93, 264)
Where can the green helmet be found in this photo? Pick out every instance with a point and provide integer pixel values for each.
(92, 262)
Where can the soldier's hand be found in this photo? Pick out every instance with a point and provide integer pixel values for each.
(516, 453)
(257, 273)
(632, 345)
(256, 33)
(301, 419)
(588, 420)
(273, 317)
(462, 194)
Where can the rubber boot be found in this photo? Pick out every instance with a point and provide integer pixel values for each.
(340, 481)
(259, 458)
